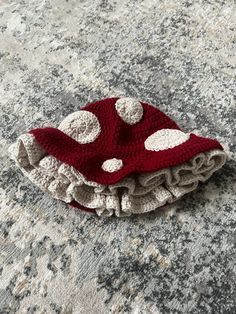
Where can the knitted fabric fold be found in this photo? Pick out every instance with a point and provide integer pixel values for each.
(117, 157)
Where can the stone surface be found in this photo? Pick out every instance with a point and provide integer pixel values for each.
(55, 57)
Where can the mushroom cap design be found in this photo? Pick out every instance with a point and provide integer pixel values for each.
(117, 156)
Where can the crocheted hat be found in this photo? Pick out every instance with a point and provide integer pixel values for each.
(117, 156)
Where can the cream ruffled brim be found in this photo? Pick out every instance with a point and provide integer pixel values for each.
(133, 195)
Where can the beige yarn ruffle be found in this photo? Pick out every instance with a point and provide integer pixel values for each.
(133, 195)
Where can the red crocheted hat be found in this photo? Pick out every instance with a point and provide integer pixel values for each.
(117, 156)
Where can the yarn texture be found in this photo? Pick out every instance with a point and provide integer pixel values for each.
(117, 156)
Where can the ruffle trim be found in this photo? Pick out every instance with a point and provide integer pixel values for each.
(135, 194)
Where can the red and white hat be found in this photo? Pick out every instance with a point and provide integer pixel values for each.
(117, 156)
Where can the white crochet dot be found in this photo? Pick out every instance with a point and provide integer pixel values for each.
(112, 165)
(130, 110)
(164, 139)
(83, 126)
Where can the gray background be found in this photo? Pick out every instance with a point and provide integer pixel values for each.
(55, 57)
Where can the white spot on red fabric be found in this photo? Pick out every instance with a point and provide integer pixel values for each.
(130, 110)
(83, 126)
(112, 165)
(164, 139)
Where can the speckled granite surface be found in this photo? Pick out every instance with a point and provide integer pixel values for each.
(56, 56)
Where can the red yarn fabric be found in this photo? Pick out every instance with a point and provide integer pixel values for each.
(86, 209)
(122, 141)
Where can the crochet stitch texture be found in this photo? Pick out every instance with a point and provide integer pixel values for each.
(117, 156)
